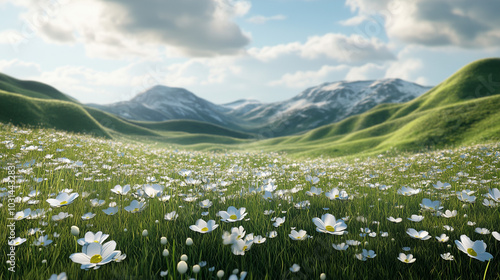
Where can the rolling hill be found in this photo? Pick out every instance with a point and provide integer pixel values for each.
(463, 109)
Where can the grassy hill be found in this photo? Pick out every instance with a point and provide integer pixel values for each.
(32, 89)
(461, 110)
(22, 110)
(192, 126)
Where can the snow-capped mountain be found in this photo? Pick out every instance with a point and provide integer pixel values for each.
(328, 103)
(162, 103)
(314, 107)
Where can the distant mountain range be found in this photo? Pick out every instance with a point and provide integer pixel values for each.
(314, 107)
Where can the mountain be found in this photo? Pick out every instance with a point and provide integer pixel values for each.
(161, 103)
(314, 107)
(327, 103)
(461, 110)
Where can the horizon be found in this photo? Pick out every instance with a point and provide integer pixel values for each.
(109, 51)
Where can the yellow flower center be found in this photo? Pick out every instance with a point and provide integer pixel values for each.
(17, 243)
(406, 260)
(301, 237)
(245, 248)
(471, 252)
(233, 217)
(96, 259)
(205, 229)
(330, 228)
(42, 243)
(96, 241)
(19, 217)
(63, 202)
(336, 196)
(238, 237)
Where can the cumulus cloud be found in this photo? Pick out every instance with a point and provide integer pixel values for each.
(304, 79)
(469, 24)
(263, 19)
(339, 47)
(17, 68)
(196, 28)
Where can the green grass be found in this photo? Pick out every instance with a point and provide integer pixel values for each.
(32, 89)
(105, 163)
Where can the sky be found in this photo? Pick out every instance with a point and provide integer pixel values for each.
(105, 51)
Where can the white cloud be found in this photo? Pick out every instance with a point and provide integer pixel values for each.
(16, 68)
(259, 19)
(369, 71)
(112, 28)
(469, 24)
(303, 79)
(338, 47)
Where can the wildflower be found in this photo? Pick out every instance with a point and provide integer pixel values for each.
(416, 218)
(443, 238)
(90, 237)
(447, 257)
(422, 235)
(88, 216)
(43, 241)
(61, 276)
(340, 247)
(205, 203)
(110, 211)
(300, 235)
(279, 222)
(62, 199)
(203, 227)
(232, 214)
(135, 206)
(171, 216)
(295, 268)
(16, 241)
(95, 255)
(394, 220)
(449, 214)
(494, 194)
(189, 241)
(163, 240)
(428, 204)
(328, 224)
(496, 235)
(406, 258)
(121, 190)
(482, 231)
(476, 249)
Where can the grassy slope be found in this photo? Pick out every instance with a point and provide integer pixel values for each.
(460, 110)
(32, 89)
(63, 115)
(191, 126)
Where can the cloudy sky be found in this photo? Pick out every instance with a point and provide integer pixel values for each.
(104, 51)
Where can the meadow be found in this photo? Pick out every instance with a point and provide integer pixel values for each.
(149, 201)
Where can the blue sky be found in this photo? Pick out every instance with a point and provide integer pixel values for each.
(103, 51)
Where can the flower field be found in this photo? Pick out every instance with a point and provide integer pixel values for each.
(76, 207)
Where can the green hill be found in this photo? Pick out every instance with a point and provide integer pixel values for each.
(32, 89)
(192, 126)
(22, 110)
(461, 110)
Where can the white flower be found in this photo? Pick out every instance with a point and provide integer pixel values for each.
(240, 246)
(22, 214)
(121, 190)
(205, 203)
(466, 196)
(430, 205)
(272, 234)
(476, 249)
(259, 239)
(62, 199)
(328, 224)
(203, 227)
(441, 186)
(42, 241)
(163, 273)
(279, 221)
(406, 258)
(443, 238)
(90, 237)
(340, 247)
(422, 235)
(95, 254)
(447, 257)
(110, 211)
(416, 218)
(61, 276)
(135, 206)
(88, 216)
(449, 214)
(494, 194)
(171, 216)
(482, 231)
(496, 235)
(300, 235)
(182, 267)
(232, 214)
(17, 241)
(295, 268)
(394, 220)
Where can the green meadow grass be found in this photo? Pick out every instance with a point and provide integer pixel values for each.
(95, 165)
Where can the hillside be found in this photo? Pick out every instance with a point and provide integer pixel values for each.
(32, 89)
(451, 113)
